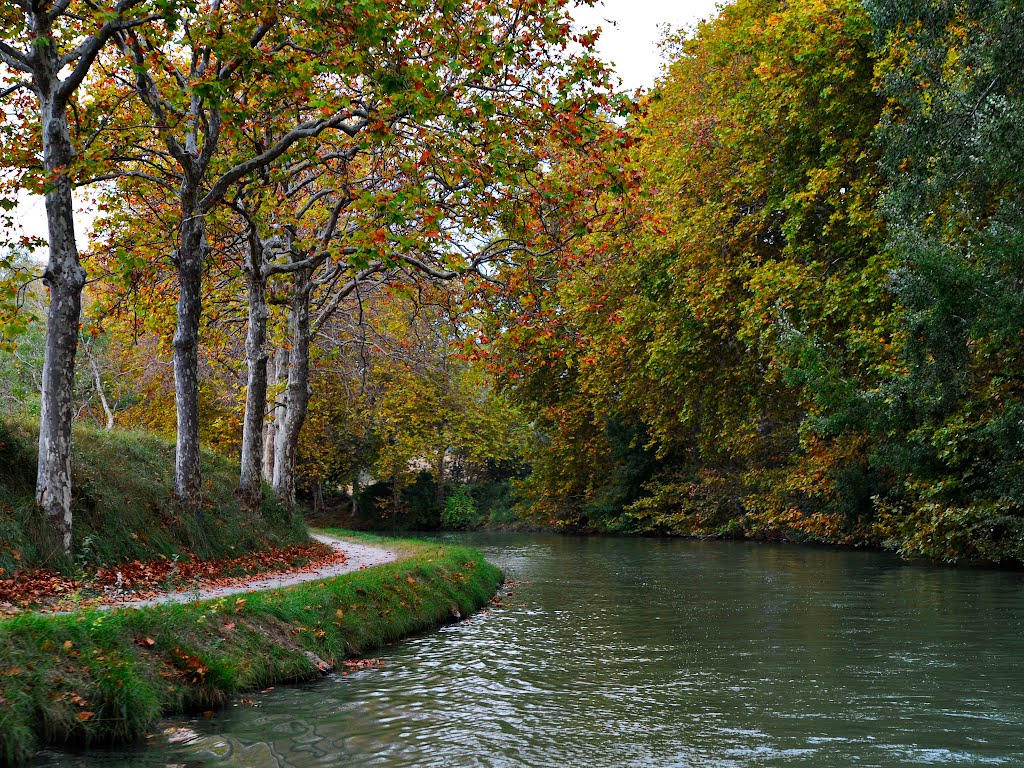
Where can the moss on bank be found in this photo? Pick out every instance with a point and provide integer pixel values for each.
(123, 504)
(106, 676)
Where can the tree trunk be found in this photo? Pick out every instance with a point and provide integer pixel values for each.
(269, 432)
(251, 481)
(297, 398)
(355, 493)
(98, 383)
(439, 492)
(190, 257)
(273, 425)
(65, 278)
(280, 414)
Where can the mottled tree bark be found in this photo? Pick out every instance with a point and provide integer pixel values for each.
(65, 278)
(43, 65)
(268, 444)
(297, 399)
(189, 258)
(251, 479)
(280, 414)
(273, 426)
(64, 275)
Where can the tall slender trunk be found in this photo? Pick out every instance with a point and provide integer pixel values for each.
(318, 498)
(277, 415)
(251, 480)
(65, 278)
(98, 383)
(439, 492)
(355, 492)
(282, 357)
(268, 447)
(298, 388)
(190, 257)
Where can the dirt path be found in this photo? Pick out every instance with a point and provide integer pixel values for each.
(357, 557)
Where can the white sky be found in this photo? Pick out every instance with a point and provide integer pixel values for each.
(629, 39)
(630, 32)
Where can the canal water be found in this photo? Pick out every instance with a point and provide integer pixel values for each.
(643, 652)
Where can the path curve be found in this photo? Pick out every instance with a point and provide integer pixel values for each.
(357, 557)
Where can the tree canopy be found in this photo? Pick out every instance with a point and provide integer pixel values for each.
(778, 295)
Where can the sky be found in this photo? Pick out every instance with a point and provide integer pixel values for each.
(630, 33)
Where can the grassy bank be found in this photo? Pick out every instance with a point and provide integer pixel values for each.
(123, 506)
(100, 677)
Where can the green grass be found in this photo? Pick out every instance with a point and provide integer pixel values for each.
(123, 505)
(128, 667)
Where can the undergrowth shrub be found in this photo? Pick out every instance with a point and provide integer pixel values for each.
(460, 512)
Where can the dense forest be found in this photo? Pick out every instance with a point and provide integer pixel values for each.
(803, 317)
(426, 258)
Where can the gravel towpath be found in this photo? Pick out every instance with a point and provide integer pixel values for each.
(357, 557)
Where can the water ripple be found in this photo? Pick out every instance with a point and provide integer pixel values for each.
(624, 653)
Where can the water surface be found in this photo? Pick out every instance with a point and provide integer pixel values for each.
(645, 652)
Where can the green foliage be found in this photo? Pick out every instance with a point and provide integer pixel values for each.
(421, 503)
(22, 336)
(948, 426)
(496, 503)
(15, 274)
(660, 393)
(430, 406)
(482, 503)
(415, 507)
(460, 513)
(100, 677)
(810, 322)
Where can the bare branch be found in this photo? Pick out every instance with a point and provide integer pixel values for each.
(302, 131)
(129, 174)
(261, 31)
(341, 294)
(332, 224)
(211, 136)
(14, 58)
(16, 87)
(147, 90)
(433, 272)
(57, 10)
(87, 52)
(312, 201)
(294, 266)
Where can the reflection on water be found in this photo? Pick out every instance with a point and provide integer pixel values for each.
(627, 652)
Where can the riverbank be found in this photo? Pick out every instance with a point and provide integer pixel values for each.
(124, 509)
(104, 676)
